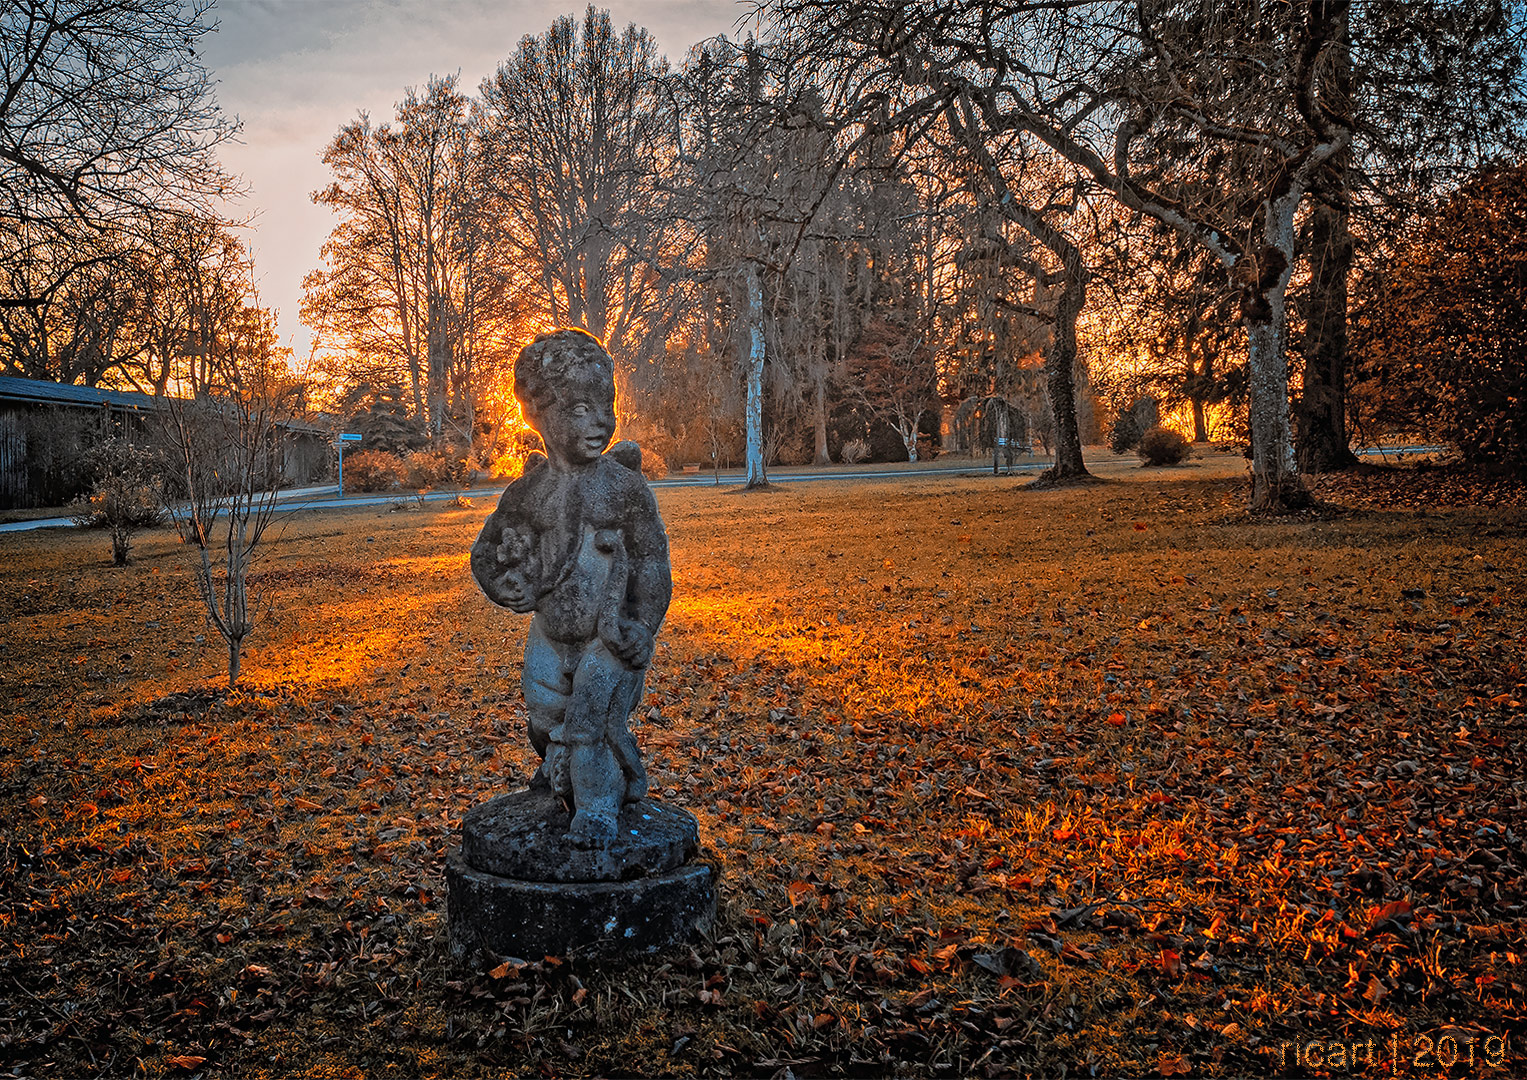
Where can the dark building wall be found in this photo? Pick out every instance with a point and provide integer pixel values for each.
(47, 428)
(42, 449)
(307, 458)
(13, 450)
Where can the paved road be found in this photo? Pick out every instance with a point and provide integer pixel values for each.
(325, 498)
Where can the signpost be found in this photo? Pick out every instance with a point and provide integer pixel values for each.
(340, 446)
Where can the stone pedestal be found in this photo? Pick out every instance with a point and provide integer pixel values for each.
(517, 888)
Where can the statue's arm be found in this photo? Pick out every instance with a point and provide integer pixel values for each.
(651, 585)
(498, 581)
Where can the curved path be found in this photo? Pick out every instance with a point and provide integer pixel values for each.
(325, 498)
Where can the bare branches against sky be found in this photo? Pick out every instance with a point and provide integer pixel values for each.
(293, 71)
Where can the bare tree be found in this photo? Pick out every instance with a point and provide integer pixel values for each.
(1168, 320)
(201, 279)
(402, 291)
(1095, 83)
(1433, 90)
(227, 441)
(1013, 184)
(106, 119)
(87, 298)
(576, 131)
(757, 160)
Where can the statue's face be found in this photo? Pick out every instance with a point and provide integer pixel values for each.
(579, 424)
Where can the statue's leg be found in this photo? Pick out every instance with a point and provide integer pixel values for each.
(547, 682)
(598, 781)
(623, 742)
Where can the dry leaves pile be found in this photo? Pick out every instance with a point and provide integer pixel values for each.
(999, 782)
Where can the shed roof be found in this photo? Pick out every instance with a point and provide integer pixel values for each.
(44, 392)
(41, 391)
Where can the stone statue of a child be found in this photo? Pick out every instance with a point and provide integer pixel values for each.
(577, 539)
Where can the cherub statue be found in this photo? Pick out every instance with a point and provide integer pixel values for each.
(578, 541)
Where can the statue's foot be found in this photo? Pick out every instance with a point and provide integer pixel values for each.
(636, 785)
(591, 830)
(538, 780)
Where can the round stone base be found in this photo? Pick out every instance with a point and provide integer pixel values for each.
(522, 835)
(602, 919)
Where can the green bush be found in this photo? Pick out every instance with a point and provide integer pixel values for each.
(1162, 446)
(373, 470)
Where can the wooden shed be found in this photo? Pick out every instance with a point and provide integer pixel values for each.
(46, 427)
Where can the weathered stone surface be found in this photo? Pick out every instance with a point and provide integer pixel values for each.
(505, 917)
(578, 541)
(582, 863)
(524, 835)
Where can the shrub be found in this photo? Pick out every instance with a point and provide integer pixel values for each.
(436, 468)
(1162, 446)
(373, 470)
(127, 494)
(796, 449)
(458, 468)
(854, 451)
(653, 465)
(1439, 336)
(422, 469)
(1132, 424)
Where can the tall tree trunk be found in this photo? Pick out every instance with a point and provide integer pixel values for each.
(753, 414)
(819, 420)
(439, 347)
(1001, 452)
(1200, 384)
(1275, 483)
(1060, 373)
(1200, 426)
(1323, 443)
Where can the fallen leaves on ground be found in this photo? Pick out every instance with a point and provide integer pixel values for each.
(997, 783)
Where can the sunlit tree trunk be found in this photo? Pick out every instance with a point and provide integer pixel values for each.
(1060, 372)
(1204, 371)
(753, 410)
(439, 347)
(1275, 483)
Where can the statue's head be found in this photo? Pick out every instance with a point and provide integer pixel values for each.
(565, 382)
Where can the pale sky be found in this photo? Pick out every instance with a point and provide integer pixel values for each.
(294, 71)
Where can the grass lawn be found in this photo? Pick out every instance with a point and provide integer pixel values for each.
(998, 781)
